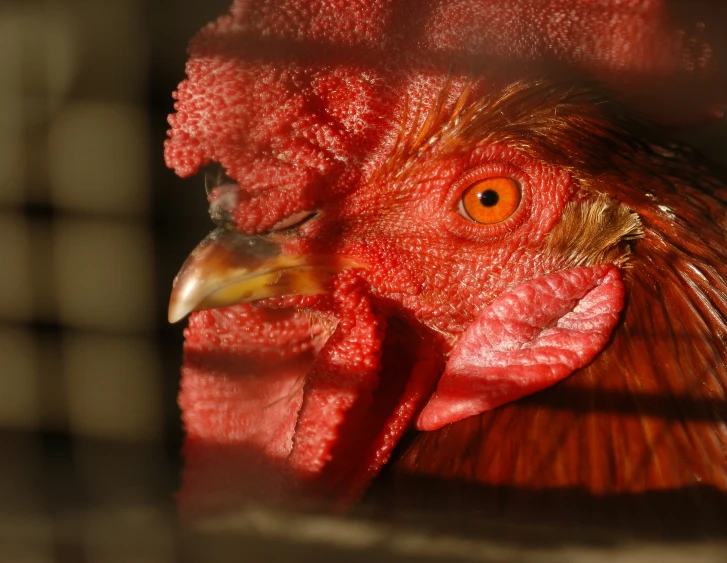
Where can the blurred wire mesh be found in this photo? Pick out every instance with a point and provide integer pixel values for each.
(87, 411)
(92, 230)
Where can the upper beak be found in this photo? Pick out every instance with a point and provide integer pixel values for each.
(228, 267)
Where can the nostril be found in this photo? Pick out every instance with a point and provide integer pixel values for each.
(223, 200)
(293, 221)
(214, 177)
(223, 193)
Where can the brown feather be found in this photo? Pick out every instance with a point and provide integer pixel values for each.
(639, 435)
(593, 231)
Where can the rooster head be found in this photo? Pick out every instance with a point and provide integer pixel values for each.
(408, 232)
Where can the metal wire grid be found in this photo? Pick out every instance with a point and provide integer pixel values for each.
(82, 409)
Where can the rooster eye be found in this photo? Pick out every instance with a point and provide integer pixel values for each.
(490, 201)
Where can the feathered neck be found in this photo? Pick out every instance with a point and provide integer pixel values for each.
(646, 420)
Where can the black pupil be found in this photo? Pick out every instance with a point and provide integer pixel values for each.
(489, 198)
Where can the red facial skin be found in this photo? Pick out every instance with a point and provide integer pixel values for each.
(302, 102)
(428, 258)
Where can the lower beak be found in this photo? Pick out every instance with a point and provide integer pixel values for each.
(228, 267)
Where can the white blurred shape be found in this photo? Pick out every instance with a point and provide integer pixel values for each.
(16, 299)
(103, 274)
(98, 156)
(113, 387)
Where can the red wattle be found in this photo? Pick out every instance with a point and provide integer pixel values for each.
(527, 339)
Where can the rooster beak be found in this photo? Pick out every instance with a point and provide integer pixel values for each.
(228, 267)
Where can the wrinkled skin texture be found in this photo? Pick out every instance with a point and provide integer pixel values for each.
(526, 340)
(313, 106)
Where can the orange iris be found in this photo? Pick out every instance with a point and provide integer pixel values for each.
(491, 200)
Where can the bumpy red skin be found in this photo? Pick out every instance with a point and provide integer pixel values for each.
(301, 102)
(526, 340)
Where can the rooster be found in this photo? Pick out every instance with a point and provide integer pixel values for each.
(427, 256)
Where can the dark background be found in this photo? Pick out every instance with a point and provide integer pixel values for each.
(93, 228)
